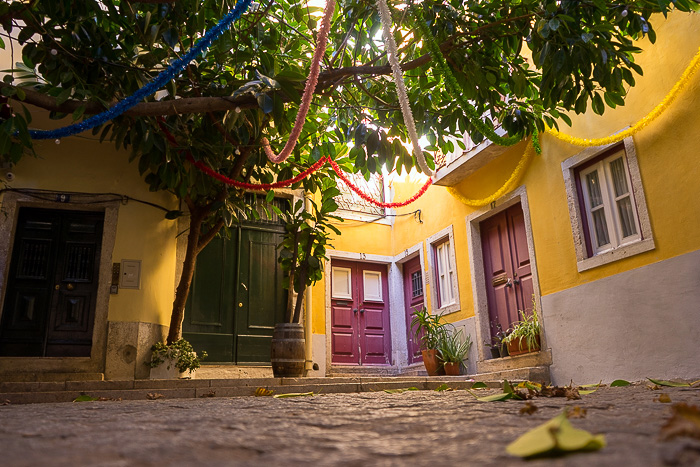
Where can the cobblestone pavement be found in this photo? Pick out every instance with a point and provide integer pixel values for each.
(411, 428)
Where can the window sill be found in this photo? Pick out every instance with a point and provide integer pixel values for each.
(622, 252)
(447, 309)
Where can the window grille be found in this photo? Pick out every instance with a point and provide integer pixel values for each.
(350, 201)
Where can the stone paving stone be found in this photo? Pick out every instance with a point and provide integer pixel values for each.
(170, 383)
(413, 428)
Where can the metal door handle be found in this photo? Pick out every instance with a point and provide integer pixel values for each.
(509, 283)
(354, 310)
(362, 310)
(516, 281)
(70, 286)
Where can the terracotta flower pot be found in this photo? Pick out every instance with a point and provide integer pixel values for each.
(432, 362)
(515, 347)
(452, 368)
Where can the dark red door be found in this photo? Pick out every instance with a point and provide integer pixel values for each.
(49, 307)
(360, 332)
(413, 299)
(507, 266)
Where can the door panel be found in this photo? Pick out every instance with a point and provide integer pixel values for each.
(51, 294)
(261, 298)
(413, 300)
(237, 297)
(360, 331)
(507, 266)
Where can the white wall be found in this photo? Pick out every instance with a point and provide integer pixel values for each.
(636, 324)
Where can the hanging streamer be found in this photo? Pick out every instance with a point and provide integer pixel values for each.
(308, 95)
(650, 117)
(392, 52)
(150, 88)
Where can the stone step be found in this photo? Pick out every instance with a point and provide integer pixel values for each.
(41, 392)
(17, 376)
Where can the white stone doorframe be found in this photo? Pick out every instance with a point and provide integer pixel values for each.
(476, 264)
(397, 321)
(398, 304)
(11, 203)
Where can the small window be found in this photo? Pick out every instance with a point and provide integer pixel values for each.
(610, 212)
(416, 284)
(341, 283)
(372, 284)
(445, 273)
(609, 217)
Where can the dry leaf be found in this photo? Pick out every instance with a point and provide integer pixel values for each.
(260, 392)
(154, 395)
(685, 421)
(6, 402)
(528, 409)
(576, 412)
(211, 393)
(663, 397)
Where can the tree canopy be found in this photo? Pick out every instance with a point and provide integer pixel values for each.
(524, 63)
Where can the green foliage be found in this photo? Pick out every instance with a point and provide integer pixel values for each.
(428, 328)
(180, 353)
(306, 238)
(454, 346)
(527, 330)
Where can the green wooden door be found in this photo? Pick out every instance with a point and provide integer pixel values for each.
(237, 297)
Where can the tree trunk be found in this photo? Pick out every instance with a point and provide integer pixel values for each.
(303, 276)
(183, 287)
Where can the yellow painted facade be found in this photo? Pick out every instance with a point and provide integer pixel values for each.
(667, 155)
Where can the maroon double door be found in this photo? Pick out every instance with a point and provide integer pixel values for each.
(414, 300)
(507, 266)
(360, 333)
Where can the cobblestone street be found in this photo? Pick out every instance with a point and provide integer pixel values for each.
(378, 428)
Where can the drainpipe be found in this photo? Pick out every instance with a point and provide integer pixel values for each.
(308, 348)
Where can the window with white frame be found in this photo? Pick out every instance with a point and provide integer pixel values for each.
(444, 271)
(609, 203)
(608, 210)
(444, 290)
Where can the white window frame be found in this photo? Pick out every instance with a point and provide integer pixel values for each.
(619, 247)
(441, 248)
(348, 285)
(377, 275)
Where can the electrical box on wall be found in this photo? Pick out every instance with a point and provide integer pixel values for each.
(130, 274)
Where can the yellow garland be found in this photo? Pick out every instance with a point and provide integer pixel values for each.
(670, 97)
(512, 181)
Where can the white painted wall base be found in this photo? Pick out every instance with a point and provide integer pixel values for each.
(468, 327)
(318, 352)
(636, 324)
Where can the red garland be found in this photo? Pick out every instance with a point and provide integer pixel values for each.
(269, 186)
(367, 198)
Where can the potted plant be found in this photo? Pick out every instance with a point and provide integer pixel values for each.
(454, 350)
(172, 361)
(301, 256)
(498, 346)
(429, 330)
(525, 336)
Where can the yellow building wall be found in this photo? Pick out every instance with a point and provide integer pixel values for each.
(81, 164)
(669, 171)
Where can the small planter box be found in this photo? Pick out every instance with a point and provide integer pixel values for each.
(519, 346)
(168, 370)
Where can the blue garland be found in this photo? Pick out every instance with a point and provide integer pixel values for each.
(154, 85)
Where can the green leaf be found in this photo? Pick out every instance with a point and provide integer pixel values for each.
(672, 384)
(619, 383)
(496, 397)
(85, 398)
(555, 436)
(293, 394)
(443, 387)
(173, 214)
(479, 385)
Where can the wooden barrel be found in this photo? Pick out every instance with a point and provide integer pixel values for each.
(288, 356)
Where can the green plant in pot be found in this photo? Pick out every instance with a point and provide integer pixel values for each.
(429, 330)
(454, 350)
(525, 335)
(302, 252)
(168, 361)
(498, 346)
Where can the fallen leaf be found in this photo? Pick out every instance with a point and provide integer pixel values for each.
(84, 398)
(555, 436)
(479, 385)
(694, 383)
(154, 395)
(293, 394)
(263, 392)
(529, 385)
(570, 393)
(496, 397)
(6, 402)
(664, 398)
(211, 393)
(444, 387)
(685, 421)
(619, 383)
(576, 412)
(528, 409)
(672, 384)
